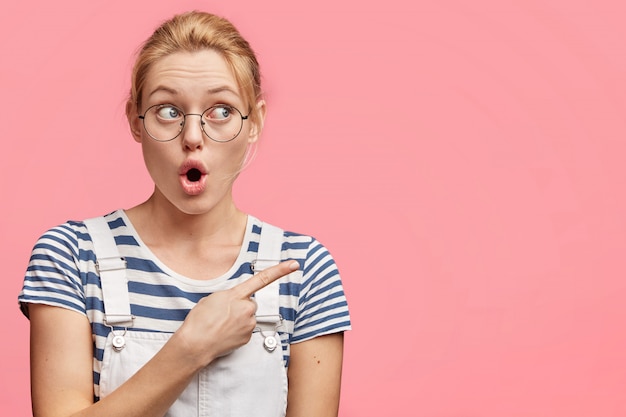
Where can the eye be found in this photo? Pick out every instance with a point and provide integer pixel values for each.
(219, 113)
(168, 112)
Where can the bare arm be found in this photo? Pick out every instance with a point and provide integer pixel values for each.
(315, 377)
(62, 349)
(60, 361)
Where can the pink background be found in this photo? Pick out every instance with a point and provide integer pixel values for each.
(464, 162)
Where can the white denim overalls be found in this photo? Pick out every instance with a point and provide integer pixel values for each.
(250, 381)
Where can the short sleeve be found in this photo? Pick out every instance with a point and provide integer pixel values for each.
(53, 276)
(322, 308)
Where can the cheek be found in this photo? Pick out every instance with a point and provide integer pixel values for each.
(228, 157)
(156, 158)
(227, 165)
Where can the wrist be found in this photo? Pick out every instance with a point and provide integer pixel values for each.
(192, 354)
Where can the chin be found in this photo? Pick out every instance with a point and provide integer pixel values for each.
(196, 206)
(193, 205)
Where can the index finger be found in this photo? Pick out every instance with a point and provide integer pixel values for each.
(264, 278)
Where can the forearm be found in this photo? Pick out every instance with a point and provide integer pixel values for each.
(151, 391)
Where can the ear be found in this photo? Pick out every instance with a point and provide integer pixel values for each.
(134, 122)
(257, 127)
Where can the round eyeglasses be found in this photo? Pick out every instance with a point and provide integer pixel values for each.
(165, 122)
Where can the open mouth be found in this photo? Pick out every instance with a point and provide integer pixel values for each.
(194, 175)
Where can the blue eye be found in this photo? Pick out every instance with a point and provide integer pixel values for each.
(219, 113)
(168, 112)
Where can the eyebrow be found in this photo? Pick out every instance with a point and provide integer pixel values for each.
(222, 89)
(163, 88)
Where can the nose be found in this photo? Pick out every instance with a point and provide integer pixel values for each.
(192, 134)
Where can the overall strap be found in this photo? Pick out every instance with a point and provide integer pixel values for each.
(112, 269)
(270, 246)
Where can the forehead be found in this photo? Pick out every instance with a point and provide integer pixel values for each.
(190, 74)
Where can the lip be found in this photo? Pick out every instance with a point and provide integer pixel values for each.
(192, 187)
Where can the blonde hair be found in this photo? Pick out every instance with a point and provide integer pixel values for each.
(196, 31)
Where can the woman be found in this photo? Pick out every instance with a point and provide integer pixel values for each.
(181, 305)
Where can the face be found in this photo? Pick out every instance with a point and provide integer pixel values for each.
(193, 173)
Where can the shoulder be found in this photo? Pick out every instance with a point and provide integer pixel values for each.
(298, 245)
(322, 307)
(62, 250)
(61, 264)
(53, 275)
(63, 240)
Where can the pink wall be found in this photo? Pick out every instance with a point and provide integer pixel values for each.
(464, 161)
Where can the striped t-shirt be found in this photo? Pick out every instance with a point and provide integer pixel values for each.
(62, 273)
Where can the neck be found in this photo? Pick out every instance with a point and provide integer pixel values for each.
(158, 220)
